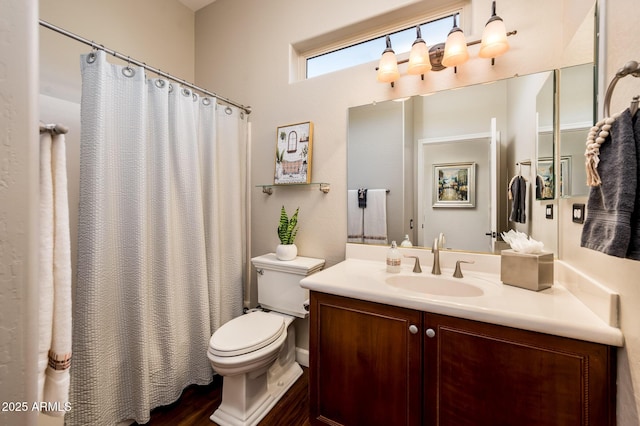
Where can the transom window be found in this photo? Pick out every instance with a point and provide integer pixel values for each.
(433, 32)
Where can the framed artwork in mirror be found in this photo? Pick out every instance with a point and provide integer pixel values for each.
(293, 154)
(544, 179)
(454, 185)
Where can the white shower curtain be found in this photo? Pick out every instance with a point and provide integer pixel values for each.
(161, 240)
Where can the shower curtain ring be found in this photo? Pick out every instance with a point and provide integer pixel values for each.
(128, 71)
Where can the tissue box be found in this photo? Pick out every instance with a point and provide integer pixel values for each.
(526, 270)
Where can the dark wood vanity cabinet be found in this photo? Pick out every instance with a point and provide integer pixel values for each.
(367, 367)
(483, 374)
(365, 364)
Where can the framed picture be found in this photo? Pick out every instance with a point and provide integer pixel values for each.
(454, 185)
(293, 153)
(544, 179)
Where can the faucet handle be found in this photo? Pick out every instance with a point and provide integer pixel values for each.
(416, 268)
(458, 272)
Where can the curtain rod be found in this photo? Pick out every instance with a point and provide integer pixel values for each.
(62, 31)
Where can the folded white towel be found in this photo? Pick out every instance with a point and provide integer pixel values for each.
(55, 268)
(375, 217)
(354, 218)
(45, 259)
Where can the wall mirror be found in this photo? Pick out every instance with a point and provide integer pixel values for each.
(503, 128)
(417, 152)
(577, 115)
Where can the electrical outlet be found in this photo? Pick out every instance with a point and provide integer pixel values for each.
(578, 213)
(549, 211)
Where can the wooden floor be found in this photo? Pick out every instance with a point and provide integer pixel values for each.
(197, 403)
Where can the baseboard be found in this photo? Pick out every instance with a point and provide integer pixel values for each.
(302, 357)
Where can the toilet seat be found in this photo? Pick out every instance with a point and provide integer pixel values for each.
(246, 333)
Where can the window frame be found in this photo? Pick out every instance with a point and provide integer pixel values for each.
(380, 32)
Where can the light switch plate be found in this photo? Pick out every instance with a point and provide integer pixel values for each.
(549, 211)
(578, 213)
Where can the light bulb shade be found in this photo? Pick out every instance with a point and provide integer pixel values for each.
(494, 39)
(419, 62)
(455, 49)
(388, 67)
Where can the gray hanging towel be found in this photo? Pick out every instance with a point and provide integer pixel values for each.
(634, 239)
(610, 205)
(518, 190)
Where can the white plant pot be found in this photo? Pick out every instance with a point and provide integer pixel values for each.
(286, 251)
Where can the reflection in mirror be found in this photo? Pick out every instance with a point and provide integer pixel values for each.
(488, 125)
(577, 115)
(544, 164)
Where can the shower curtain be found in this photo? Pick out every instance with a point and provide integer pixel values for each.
(161, 240)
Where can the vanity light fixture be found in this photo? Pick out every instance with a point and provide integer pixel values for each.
(388, 67)
(451, 53)
(494, 37)
(455, 48)
(419, 61)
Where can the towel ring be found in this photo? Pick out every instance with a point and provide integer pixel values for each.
(630, 67)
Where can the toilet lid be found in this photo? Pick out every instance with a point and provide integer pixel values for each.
(246, 333)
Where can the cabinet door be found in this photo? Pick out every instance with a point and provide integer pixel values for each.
(365, 363)
(483, 374)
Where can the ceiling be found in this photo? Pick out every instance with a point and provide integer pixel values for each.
(196, 4)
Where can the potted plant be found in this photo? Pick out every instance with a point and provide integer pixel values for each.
(287, 230)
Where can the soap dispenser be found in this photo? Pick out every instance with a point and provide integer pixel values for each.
(406, 242)
(393, 258)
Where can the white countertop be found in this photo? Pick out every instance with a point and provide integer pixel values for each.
(553, 311)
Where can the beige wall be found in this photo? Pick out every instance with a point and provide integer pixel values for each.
(157, 32)
(620, 275)
(18, 208)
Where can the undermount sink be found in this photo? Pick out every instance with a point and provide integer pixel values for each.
(439, 286)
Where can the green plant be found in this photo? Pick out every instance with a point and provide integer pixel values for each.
(279, 155)
(288, 227)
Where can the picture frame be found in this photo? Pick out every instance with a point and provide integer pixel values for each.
(454, 185)
(545, 175)
(294, 143)
(544, 179)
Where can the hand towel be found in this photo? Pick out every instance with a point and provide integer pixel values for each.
(375, 217)
(607, 227)
(45, 261)
(362, 198)
(518, 191)
(633, 252)
(355, 217)
(55, 296)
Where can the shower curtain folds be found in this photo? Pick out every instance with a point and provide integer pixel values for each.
(161, 260)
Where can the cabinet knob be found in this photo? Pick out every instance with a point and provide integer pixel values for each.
(431, 332)
(413, 329)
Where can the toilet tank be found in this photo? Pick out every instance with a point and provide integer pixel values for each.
(279, 282)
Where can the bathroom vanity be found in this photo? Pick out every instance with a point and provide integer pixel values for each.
(382, 354)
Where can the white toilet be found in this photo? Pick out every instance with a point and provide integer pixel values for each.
(255, 353)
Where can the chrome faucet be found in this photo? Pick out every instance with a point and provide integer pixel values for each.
(435, 269)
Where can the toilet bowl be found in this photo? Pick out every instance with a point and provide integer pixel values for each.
(256, 352)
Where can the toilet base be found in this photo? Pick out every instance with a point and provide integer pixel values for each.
(242, 388)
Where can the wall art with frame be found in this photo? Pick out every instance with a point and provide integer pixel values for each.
(293, 154)
(454, 185)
